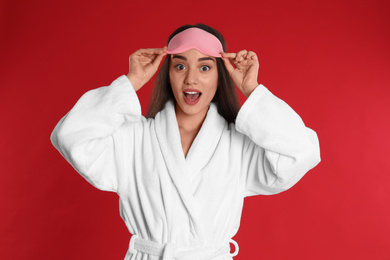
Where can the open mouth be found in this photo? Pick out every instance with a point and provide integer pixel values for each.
(192, 96)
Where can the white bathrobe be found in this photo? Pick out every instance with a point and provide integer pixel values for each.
(175, 203)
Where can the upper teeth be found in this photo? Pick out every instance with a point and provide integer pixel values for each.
(191, 93)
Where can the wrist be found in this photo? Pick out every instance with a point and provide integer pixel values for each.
(251, 89)
(136, 83)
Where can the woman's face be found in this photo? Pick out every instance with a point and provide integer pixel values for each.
(194, 80)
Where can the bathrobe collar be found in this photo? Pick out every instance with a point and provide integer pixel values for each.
(184, 169)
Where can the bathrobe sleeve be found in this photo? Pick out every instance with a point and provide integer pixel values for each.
(278, 148)
(91, 135)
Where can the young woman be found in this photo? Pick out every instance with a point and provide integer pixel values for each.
(183, 171)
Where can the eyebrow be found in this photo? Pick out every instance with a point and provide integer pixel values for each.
(184, 58)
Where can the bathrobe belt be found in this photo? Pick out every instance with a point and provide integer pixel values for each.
(170, 251)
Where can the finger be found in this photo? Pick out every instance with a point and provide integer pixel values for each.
(228, 65)
(158, 59)
(252, 55)
(150, 55)
(231, 57)
(241, 55)
(152, 51)
(228, 55)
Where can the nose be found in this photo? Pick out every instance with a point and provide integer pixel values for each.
(191, 77)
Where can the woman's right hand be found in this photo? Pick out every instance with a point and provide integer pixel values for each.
(143, 64)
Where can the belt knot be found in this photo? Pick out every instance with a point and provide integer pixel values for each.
(170, 251)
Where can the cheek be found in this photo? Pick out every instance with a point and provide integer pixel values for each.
(212, 83)
(173, 79)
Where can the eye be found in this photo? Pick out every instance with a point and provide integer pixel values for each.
(205, 68)
(180, 67)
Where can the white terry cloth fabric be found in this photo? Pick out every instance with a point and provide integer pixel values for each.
(168, 251)
(194, 201)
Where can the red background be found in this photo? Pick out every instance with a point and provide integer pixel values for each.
(330, 60)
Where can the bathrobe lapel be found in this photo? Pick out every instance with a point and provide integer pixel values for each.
(206, 141)
(183, 170)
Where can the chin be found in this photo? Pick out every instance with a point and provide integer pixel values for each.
(193, 110)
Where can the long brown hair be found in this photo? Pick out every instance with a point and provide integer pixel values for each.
(225, 98)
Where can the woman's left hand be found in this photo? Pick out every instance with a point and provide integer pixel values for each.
(244, 74)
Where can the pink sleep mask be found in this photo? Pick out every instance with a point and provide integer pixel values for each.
(195, 38)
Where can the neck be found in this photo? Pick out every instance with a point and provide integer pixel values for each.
(190, 123)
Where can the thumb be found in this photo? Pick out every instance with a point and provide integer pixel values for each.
(158, 59)
(228, 65)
